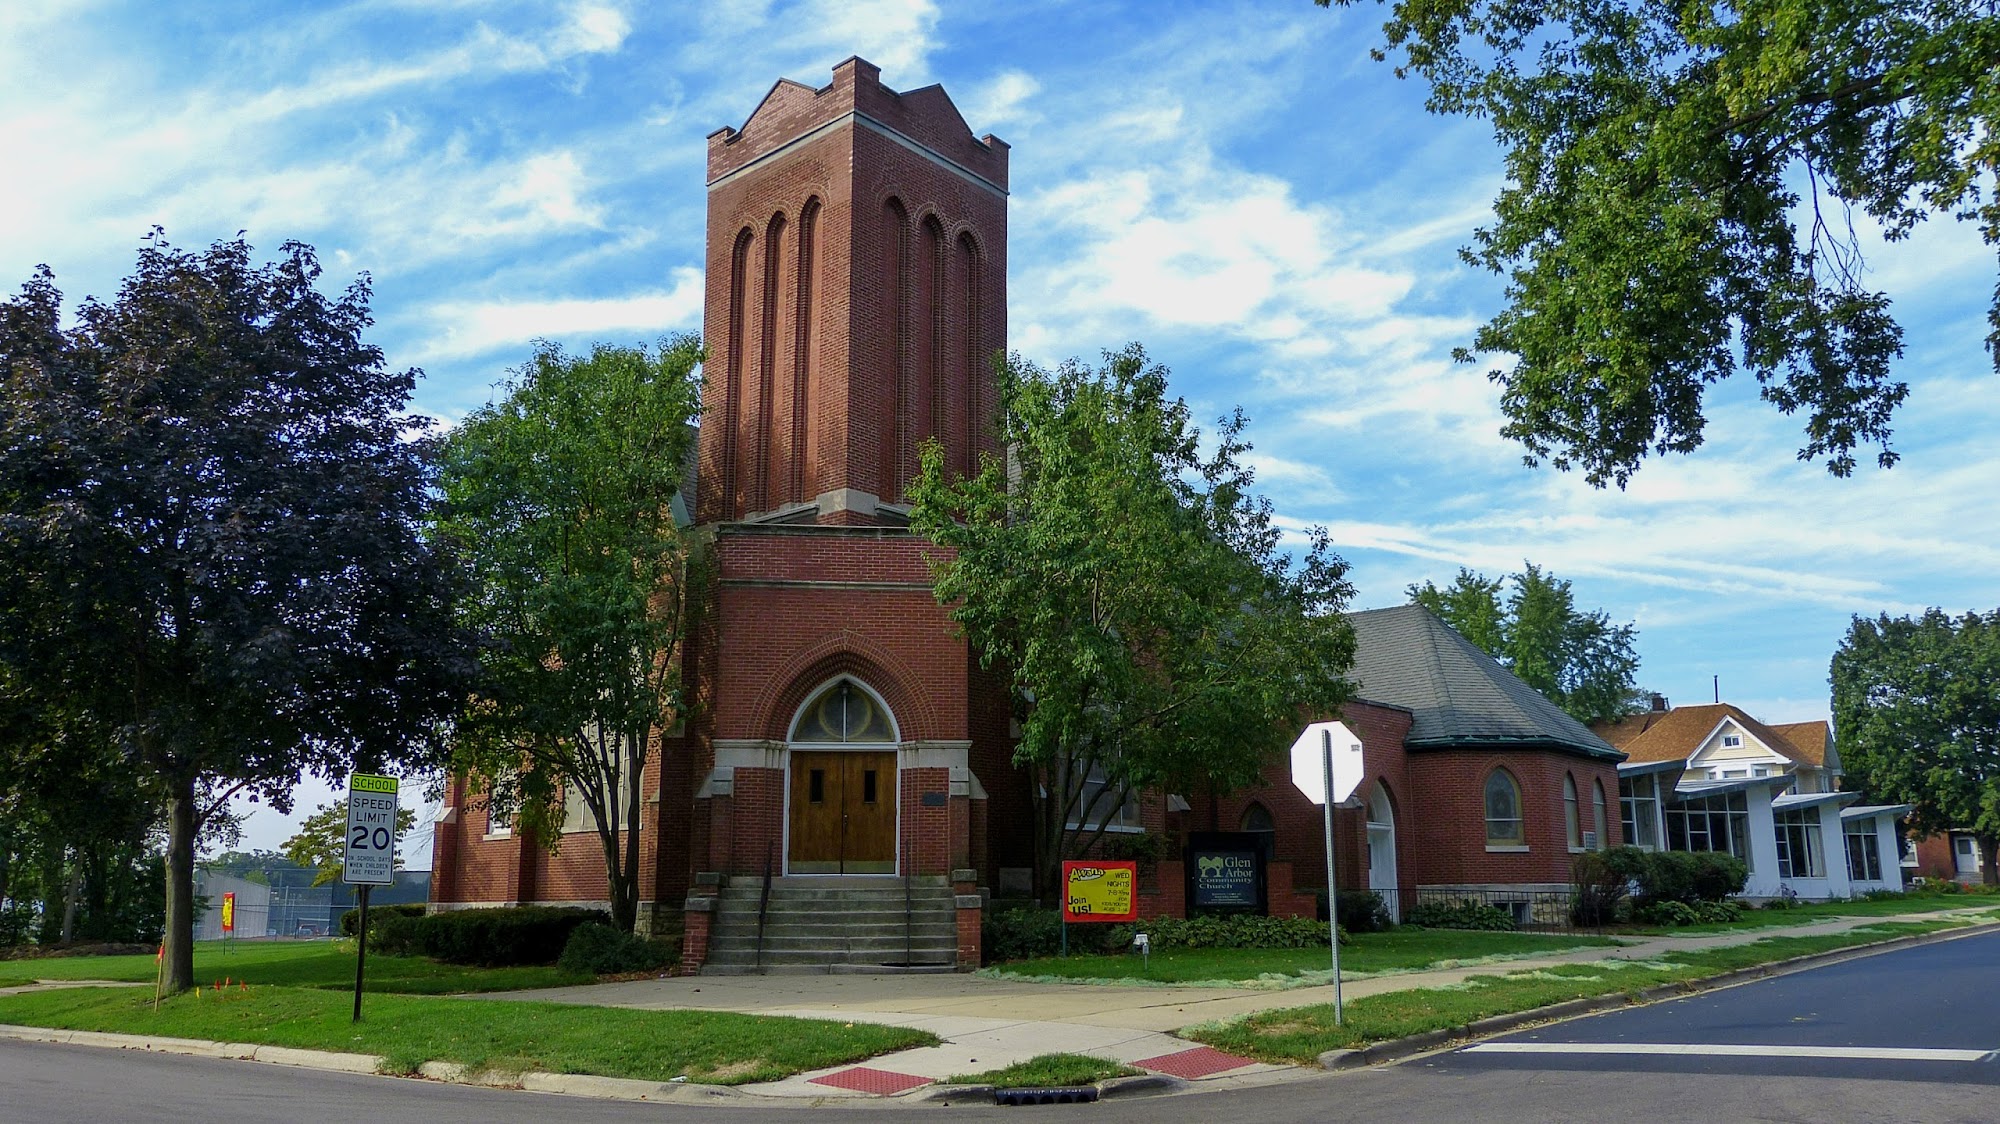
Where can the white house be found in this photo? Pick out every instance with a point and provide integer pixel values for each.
(1712, 778)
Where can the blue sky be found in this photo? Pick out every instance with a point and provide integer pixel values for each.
(1236, 185)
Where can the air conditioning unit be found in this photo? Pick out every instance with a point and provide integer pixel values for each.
(1590, 841)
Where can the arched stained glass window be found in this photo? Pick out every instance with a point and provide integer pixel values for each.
(841, 714)
(1570, 816)
(1503, 811)
(1256, 818)
(1597, 814)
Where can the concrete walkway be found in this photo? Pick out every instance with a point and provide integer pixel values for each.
(988, 1023)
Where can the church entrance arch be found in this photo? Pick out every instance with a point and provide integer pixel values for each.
(842, 793)
(1382, 851)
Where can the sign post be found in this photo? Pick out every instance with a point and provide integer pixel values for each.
(368, 853)
(1328, 768)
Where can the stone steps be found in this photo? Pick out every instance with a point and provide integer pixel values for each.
(823, 924)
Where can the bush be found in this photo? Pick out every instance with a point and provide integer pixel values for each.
(602, 950)
(1363, 911)
(1023, 934)
(488, 938)
(1232, 930)
(1677, 876)
(1684, 913)
(1460, 915)
(1600, 884)
(1718, 875)
(350, 922)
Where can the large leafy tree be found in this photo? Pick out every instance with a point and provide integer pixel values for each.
(1916, 708)
(1133, 590)
(1681, 178)
(209, 537)
(561, 497)
(1576, 657)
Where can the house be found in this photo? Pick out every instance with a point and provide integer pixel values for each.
(1946, 854)
(1478, 787)
(1713, 778)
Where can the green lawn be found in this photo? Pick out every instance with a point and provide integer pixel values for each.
(1399, 950)
(711, 1047)
(1810, 912)
(319, 964)
(1048, 1070)
(1301, 1034)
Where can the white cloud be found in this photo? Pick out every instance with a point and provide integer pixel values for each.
(466, 328)
(1000, 102)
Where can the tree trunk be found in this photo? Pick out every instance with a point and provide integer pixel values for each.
(70, 890)
(1989, 858)
(179, 936)
(621, 881)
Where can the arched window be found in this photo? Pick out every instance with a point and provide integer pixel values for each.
(1503, 811)
(844, 712)
(1256, 818)
(1571, 819)
(1597, 814)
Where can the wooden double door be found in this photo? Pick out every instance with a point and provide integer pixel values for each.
(843, 813)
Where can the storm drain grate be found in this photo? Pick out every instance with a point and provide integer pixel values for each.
(1071, 1094)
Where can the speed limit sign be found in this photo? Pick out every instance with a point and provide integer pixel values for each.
(371, 831)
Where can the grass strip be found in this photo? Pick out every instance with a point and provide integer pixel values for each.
(320, 964)
(1299, 1035)
(1399, 950)
(703, 1046)
(1806, 913)
(1050, 1070)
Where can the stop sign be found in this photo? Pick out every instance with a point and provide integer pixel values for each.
(1309, 761)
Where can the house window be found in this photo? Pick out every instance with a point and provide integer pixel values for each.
(1731, 741)
(1864, 853)
(1732, 774)
(1093, 807)
(499, 820)
(1720, 822)
(1639, 811)
(1760, 771)
(576, 811)
(1503, 811)
(1798, 843)
(1597, 815)
(1571, 820)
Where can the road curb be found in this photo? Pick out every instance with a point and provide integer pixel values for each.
(1397, 1049)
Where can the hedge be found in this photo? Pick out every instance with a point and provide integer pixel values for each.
(350, 922)
(488, 938)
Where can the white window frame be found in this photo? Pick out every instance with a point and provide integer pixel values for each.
(1519, 842)
(1732, 741)
(1125, 818)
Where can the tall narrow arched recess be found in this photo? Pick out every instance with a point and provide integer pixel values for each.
(899, 444)
(805, 324)
(935, 308)
(732, 390)
(974, 419)
(768, 340)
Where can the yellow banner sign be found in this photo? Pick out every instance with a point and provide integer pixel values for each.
(1100, 891)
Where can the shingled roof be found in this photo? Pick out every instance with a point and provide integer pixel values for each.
(1459, 698)
(1676, 734)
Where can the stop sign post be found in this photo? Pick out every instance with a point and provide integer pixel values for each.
(368, 852)
(1327, 767)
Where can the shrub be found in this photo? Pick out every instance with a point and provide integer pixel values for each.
(1668, 912)
(1718, 875)
(350, 922)
(1873, 896)
(488, 938)
(1600, 885)
(1460, 915)
(1232, 930)
(1717, 913)
(1023, 934)
(602, 950)
(1363, 911)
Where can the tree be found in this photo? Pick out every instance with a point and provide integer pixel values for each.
(1133, 592)
(1681, 184)
(321, 841)
(1580, 660)
(560, 498)
(1916, 709)
(209, 537)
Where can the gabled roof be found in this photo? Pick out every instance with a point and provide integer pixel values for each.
(1457, 695)
(1677, 734)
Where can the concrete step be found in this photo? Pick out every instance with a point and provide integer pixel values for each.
(871, 938)
(747, 930)
(830, 969)
(818, 898)
(852, 912)
(823, 959)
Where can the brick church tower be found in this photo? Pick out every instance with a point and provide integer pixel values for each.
(856, 296)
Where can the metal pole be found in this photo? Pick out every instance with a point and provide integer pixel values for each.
(1332, 884)
(361, 953)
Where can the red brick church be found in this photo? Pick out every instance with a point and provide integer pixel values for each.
(847, 744)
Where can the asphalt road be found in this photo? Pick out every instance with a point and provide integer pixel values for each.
(1943, 996)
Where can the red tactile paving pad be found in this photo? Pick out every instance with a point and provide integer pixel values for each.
(1192, 1065)
(880, 1082)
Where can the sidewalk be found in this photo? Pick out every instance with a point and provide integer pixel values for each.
(987, 1024)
